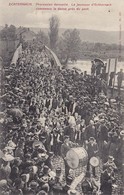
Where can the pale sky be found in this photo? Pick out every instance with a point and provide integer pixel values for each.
(96, 18)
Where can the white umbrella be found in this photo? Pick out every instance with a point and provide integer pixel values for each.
(8, 157)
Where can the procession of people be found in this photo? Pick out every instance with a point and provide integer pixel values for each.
(47, 110)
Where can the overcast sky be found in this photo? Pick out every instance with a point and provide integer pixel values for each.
(96, 18)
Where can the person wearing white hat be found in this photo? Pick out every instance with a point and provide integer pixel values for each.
(73, 192)
(42, 192)
(110, 163)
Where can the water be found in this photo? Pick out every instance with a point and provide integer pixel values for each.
(86, 66)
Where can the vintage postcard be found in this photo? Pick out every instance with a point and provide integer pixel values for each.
(61, 97)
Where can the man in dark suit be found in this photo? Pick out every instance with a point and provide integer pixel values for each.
(106, 180)
(88, 185)
(92, 150)
(65, 147)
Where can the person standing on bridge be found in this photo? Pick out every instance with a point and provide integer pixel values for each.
(120, 79)
(66, 146)
(93, 68)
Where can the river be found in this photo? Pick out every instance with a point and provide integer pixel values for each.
(86, 66)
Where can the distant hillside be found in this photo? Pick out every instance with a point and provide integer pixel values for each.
(92, 36)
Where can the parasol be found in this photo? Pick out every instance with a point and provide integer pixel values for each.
(77, 69)
(8, 157)
(97, 60)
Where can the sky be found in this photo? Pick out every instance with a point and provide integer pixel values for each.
(104, 18)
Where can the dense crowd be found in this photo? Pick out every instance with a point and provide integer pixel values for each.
(44, 108)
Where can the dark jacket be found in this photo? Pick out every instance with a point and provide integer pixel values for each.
(106, 181)
(92, 150)
(65, 148)
(88, 187)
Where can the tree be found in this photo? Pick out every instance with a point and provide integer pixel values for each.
(53, 31)
(70, 45)
(12, 32)
(97, 47)
(41, 36)
(8, 32)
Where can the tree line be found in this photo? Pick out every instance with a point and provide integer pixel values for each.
(68, 46)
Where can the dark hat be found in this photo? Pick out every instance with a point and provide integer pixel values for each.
(51, 153)
(91, 139)
(46, 168)
(42, 137)
(69, 179)
(58, 170)
(27, 155)
(66, 137)
(34, 184)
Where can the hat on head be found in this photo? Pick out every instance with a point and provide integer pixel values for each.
(73, 192)
(122, 133)
(66, 137)
(91, 139)
(37, 144)
(8, 158)
(106, 103)
(27, 155)
(43, 155)
(46, 168)
(42, 138)
(33, 184)
(69, 179)
(94, 102)
(11, 144)
(91, 122)
(42, 192)
(111, 158)
(51, 153)
(58, 170)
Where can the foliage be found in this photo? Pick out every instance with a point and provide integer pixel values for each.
(53, 31)
(69, 45)
(100, 50)
(41, 36)
(8, 33)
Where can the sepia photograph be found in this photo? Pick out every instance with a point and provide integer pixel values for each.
(61, 97)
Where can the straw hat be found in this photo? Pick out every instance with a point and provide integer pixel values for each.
(73, 192)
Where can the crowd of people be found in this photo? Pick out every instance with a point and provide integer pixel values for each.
(46, 108)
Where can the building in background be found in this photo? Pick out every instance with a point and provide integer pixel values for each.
(25, 34)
